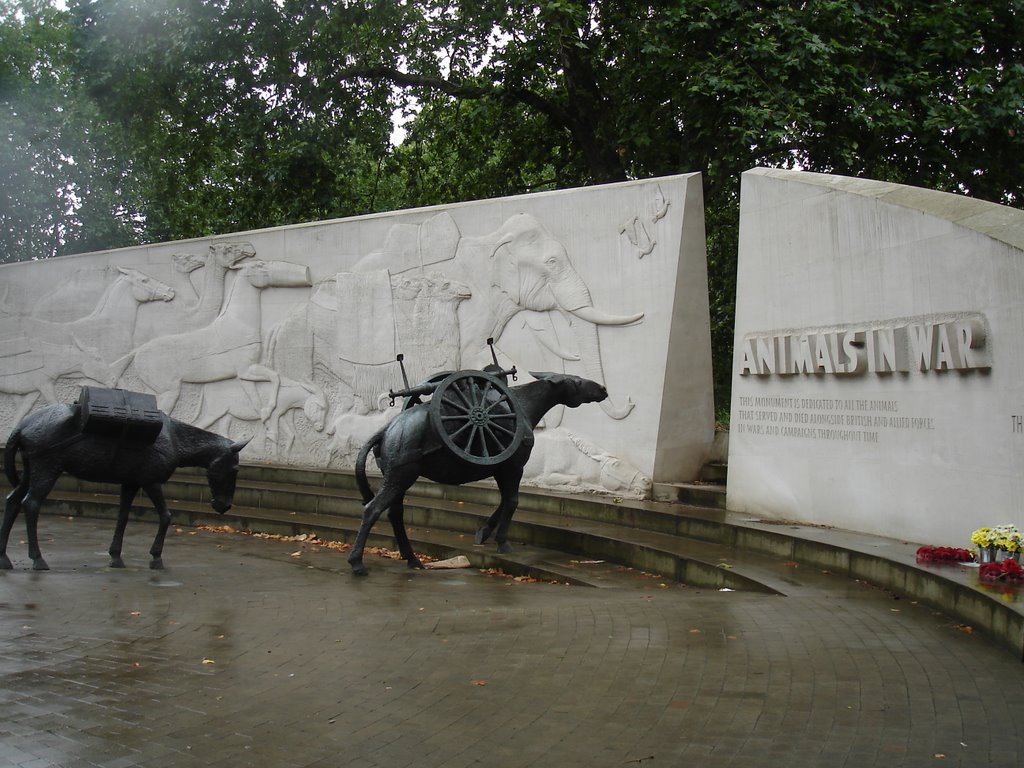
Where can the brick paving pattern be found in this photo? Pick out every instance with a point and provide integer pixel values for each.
(244, 653)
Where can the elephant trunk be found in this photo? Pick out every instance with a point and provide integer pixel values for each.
(590, 352)
(573, 298)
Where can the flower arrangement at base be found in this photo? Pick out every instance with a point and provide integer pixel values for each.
(984, 537)
(1005, 538)
(1008, 538)
(944, 555)
(1006, 571)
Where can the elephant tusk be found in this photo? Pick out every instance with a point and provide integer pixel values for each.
(617, 412)
(597, 317)
(541, 336)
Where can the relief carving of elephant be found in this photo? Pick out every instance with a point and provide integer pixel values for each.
(521, 266)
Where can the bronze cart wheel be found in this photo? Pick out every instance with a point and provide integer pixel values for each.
(477, 417)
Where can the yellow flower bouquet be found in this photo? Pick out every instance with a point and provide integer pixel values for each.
(984, 537)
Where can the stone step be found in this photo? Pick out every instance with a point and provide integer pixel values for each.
(692, 494)
(648, 540)
(715, 472)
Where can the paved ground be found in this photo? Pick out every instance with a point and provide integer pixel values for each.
(242, 653)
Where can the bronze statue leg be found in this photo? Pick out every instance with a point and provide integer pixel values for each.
(14, 499)
(156, 495)
(128, 492)
(397, 517)
(484, 531)
(508, 484)
(392, 490)
(39, 489)
(371, 514)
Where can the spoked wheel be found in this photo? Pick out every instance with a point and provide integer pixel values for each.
(477, 417)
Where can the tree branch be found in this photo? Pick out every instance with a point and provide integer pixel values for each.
(460, 90)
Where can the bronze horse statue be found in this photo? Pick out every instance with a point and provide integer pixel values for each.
(52, 442)
(411, 446)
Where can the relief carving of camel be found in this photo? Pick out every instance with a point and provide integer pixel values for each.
(215, 263)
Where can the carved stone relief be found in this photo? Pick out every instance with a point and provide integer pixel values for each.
(255, 338)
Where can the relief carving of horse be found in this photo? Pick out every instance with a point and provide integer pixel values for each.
(108, 328)
(222, 350)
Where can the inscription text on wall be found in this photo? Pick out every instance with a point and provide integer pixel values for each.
(909, 344)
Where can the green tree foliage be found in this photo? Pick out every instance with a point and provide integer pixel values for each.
(142, 120)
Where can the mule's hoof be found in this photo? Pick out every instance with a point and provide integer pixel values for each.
(359, 570)
(504, 548)
(116, 562)
(5, 563)
(482, 534)
(156, 564)
(415, 562)
(40, 565)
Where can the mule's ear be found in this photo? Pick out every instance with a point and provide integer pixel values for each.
(236, 447)
(542, 375)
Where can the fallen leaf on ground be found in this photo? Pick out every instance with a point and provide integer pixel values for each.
(478, 682)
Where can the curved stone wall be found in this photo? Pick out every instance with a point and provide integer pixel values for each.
(878, 379)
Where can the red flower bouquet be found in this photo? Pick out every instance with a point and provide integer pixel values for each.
(944, 555)
(1007, 571)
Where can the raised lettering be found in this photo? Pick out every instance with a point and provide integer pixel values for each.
(748, 362)
(922, 345)
(822, 359)
(943, 350)
(765, 348)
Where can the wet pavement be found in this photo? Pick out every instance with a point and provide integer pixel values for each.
(257, 652)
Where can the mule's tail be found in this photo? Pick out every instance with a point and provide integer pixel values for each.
(361, 481)
(10, 451)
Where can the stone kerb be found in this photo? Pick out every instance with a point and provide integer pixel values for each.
(877, 377)
(289, 335)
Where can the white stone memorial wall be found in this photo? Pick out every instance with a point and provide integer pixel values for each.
(290, 335)
(878, 377)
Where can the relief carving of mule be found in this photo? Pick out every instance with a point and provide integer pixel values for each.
(410, 446)
(51, 442)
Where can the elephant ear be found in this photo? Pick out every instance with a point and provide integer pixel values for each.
(505, 272)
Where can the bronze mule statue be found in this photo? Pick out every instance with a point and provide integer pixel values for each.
(414, 444)
(52, 442)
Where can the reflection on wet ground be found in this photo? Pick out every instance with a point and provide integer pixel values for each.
(260, 652)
